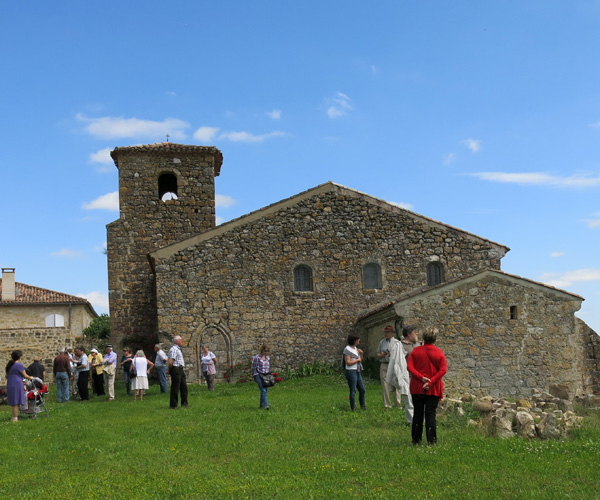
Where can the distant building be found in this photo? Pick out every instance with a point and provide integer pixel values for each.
(38, 321)
(304, 272)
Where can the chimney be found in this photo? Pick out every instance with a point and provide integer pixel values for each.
(8, 284)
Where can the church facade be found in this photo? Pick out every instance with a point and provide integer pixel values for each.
(304, 272)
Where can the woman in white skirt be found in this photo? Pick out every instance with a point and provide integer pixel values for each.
(140, 382)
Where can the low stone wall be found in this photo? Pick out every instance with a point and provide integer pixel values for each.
(543, 415)
(42, 342)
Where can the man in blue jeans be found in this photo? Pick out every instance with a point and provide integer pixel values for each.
(161, 367)
(62, 373)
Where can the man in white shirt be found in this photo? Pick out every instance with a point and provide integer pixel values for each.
(178, 381)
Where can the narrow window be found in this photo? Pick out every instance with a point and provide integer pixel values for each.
(372, 276)
(514, 312)
(167, 187)
(55, 320)
(434, 274)
(303, 281)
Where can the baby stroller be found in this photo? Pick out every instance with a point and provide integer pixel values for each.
(35, 391)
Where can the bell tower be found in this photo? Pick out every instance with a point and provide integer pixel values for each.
(166, 194)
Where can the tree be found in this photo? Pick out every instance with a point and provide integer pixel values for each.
(99, 328)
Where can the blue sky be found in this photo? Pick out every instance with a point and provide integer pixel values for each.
(483, 115)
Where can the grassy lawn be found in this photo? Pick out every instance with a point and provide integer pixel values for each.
(309, 445)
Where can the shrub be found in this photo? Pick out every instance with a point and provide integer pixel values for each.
(239, 373)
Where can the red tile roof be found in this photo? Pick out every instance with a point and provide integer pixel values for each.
(27, 294)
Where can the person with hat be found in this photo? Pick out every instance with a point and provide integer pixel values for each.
(95, 360)
(109, 370)
(36, 369)
(383, 353)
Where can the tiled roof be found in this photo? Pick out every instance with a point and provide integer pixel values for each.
(27, 294)
(171, 147)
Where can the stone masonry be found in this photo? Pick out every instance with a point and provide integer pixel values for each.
(172, 272)
(488, 351)
(147, 222)
(43, 342)
(234, 285)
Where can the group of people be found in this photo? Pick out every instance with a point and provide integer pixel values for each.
(73, 369)
(410, 369)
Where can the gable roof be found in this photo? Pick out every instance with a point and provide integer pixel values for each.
(425, 291)
(330, 186)
(28, 295)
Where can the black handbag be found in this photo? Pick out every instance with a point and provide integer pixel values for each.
(268, 380)
(132, 370)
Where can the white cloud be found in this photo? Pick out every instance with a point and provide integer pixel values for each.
(540, 179)
(102, 156)
(594, 222)
(275, 114)
(99, 300)
(69, 254)
(341, 106)
(401, 204)
(473, 144)
(219, 220)
(567, 279)
(223, 201)
(449, 159)
(101, 248)
(556, 254)
(109, 127)
(206, 134)
(109, 201)
(249, 136)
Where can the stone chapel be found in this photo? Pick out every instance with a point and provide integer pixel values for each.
(304, 272)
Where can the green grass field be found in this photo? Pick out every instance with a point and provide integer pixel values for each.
(309, 445)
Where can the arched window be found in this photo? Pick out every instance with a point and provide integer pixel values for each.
(167, 187)
(54, 320)
(303, 281)
(435, 273)
(372, 276)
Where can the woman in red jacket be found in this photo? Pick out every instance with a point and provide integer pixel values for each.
(427, 364)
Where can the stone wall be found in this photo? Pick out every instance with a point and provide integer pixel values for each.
(75, 316)
(591, 341)
(235, 286)
(147, 223)
(44, 342)
(491, 354)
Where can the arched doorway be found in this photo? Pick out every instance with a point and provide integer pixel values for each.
(219, 342)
